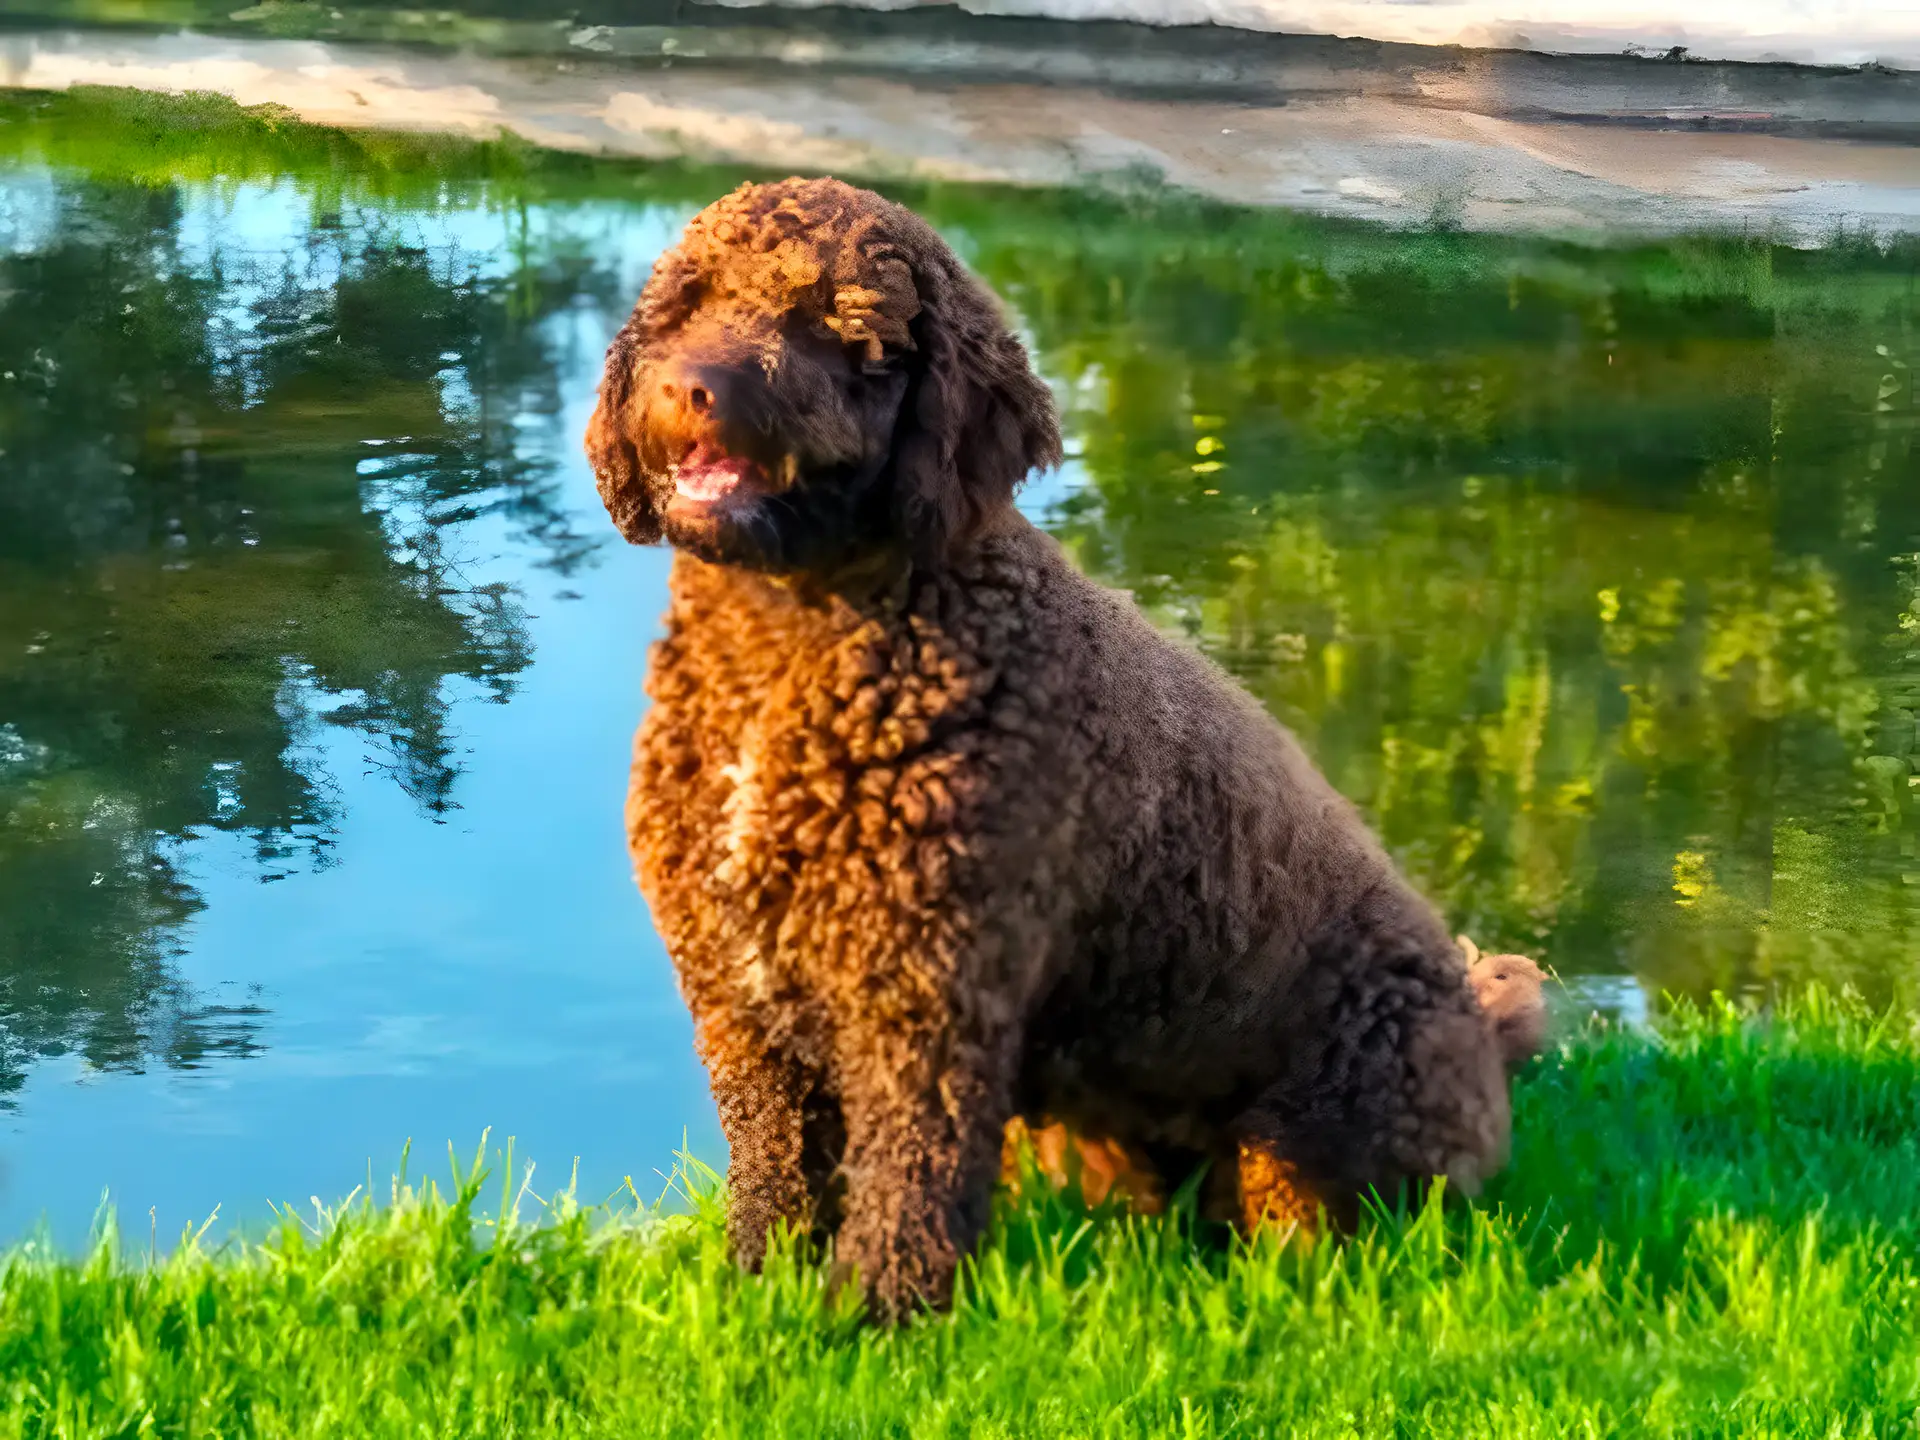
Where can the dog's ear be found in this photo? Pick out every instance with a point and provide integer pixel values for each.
(976, 419)
(610, 447)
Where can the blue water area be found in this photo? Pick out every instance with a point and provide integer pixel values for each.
(403, 961)
(1591, 575)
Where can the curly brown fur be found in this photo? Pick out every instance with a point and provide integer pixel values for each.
(833, 343)
(1511, 993)
(939, 832)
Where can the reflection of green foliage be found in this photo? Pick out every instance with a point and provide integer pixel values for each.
(166, 140)
(196, 572)
(1572, 566)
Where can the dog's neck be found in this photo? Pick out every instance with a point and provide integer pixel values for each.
(876, 580)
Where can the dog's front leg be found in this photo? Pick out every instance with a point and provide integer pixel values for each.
(762, 1097)
(924, 1126)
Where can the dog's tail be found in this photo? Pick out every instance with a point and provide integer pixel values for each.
(1512, 994)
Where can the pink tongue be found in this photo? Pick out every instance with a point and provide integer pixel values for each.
(709, 479)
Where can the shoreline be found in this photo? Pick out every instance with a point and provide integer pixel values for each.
(1494, 141)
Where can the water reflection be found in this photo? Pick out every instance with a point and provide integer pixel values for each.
(238, 462)
(1590, 576)
(1593, 576)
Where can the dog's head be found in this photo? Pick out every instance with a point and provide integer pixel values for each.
(809, 375)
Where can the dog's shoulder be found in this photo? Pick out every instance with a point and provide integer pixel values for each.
(1107, 648)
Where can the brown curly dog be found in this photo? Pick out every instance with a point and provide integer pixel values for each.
(937, 831)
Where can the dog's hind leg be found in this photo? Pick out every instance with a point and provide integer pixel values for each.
(1395, 1080)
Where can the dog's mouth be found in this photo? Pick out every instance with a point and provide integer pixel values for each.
(707, 477)
(764, 505)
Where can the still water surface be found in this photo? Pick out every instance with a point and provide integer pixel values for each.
(1592, 576)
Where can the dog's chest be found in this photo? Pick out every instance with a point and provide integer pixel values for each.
(801, 781)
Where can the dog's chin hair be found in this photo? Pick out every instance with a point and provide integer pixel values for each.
(747, 538)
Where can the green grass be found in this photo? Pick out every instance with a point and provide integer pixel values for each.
(1707, 1230)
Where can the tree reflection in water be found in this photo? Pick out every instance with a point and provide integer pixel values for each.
(1591, 574)
(236, 490)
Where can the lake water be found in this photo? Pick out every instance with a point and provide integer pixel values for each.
(1593, 576)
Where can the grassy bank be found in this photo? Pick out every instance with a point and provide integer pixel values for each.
(1709, 1230)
